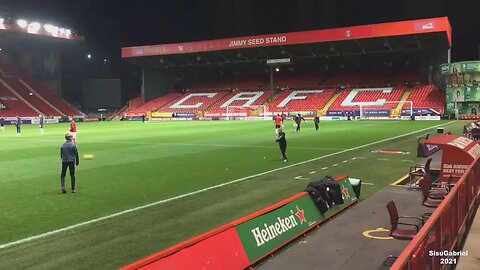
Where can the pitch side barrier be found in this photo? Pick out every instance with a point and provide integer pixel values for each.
(446, 229)
(246, 241)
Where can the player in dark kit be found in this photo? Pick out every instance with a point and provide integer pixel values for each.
(41, 123)
(282, 142)
(316, 120)
(2, 128)
(18, 125)
(298, 121)
(69, 156)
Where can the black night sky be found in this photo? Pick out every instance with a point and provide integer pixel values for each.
(109, 25)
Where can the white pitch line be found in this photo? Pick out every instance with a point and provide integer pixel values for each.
(298, 177)
(368, 184)
(345, 161)
(324, 168)
(121, 213)
(335, 165)
(407, 160)
(361, 158)
(312, 172)
(383, 159)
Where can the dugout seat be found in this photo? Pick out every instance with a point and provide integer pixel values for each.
(401, 233)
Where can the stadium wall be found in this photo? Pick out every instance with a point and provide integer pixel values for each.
(248, 240)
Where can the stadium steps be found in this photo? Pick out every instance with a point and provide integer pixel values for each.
(330, 102)
(40, 97)
(398, 110)
(19, 96)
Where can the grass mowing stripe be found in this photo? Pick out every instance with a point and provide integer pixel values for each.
(201, 144)
(39, 236)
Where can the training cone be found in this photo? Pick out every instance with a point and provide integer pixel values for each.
(88, 157)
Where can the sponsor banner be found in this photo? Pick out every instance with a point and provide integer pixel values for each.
(213, 114)
(161, 114)
(328, 118)
(91, 120)
(262, 235)
(12, 122)
(376, 113)
(423, 118)
(420, 112)
(183, 114)
(310, 113)
(36, 121)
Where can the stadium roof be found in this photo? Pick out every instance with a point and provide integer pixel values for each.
(393, 37)
(12, 35)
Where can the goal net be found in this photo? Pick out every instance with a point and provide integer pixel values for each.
(247, 112)
(389, 110)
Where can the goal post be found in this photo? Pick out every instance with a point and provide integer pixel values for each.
(247, 112)
(401, 108)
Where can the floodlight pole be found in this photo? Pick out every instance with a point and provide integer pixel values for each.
(271, 83)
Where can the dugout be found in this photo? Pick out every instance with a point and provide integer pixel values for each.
(420, 45)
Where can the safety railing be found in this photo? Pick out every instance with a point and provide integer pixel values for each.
(437, 244)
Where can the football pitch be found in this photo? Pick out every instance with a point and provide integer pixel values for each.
(152, 185)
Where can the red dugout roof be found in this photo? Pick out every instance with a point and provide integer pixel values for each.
(412, 27)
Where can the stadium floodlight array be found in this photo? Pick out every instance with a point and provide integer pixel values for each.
(258, 112)
(364, 109)
(34, 27)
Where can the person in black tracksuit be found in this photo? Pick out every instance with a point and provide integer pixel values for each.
(316, 120)
(69, 156)
(282, 142)
(18, 124)
(298, 120)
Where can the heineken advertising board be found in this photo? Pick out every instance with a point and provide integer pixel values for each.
(261, 235)
(460, 67)
(463, 94)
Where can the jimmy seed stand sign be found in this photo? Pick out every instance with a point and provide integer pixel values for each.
(262, 235)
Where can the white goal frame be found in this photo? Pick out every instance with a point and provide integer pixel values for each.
(231, 114)
(364, 108)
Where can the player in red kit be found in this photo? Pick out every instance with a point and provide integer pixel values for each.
(278, 123)
(73, 131)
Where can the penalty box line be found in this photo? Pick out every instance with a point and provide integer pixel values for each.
(121, 213)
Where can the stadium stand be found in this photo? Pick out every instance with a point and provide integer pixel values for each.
(14, 105)
(313, 101)
(427, 97)
(216, 107)
(155, 104)
(395, 95)
(193, 98)
(34, 93)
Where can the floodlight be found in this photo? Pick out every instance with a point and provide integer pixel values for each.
(62, 31)
(68, 32)
(33, 27)
(2, 20)
(277, 69)
(89, 56)
(52, 29)
(22, 23)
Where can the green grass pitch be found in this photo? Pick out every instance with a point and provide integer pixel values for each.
(138, 163)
